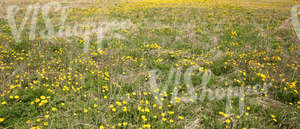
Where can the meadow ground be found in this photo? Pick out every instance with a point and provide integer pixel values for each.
(149, 64)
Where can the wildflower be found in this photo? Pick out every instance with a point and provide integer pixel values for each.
(95, 105)
(46, 123)
(227, 121)
(133, 93)
(180, 117)
(154, 105)
(17, 97)
(170, 112)
(147, 126)
(85, 110)
(273, 116)
(147, 110)
(125, 109)
(37, 100)
(248, 108)
(119, 124)
(223, 114)
(293, 84)
(124, 123)
(101, 127)
(119, 103)
(3, 103)
(111, 106)
(171, 121)
(247, 114)
(54, 109)
(43, 97)
(28, 122)
(1, 119)
(144, 118)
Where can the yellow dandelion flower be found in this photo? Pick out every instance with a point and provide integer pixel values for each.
(227, 121)
(144, 118)
(54, 109)
(101, 127)
(119, 103)
(247, 114)
(16, 97)
(119, 124)
(180, 117)
(147, 126)
(248, 108)
(43, 97)
(1, 119)
(4, 102)
(273, 116)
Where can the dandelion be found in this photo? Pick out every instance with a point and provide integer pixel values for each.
(144, 118)
(1, 119)
(119, 124)
(273, 116)
(43, 97)
(247, 114)
(54, 109)
(147, 126)
(85, 110)
(4, 102)
(248, 108)
(101, 127)
(16, 97)
(180, 117)
(119, 103)
(95, 105)
(125, 109)
(227, 121)
(171, 121)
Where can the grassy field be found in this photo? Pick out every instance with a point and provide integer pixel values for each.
(67, 82)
